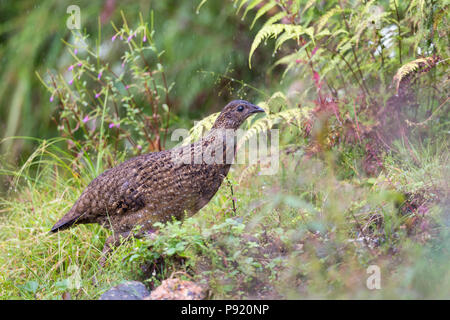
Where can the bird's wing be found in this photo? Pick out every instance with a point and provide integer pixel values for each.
(115, 191)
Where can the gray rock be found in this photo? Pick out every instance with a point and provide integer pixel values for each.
(128, 290)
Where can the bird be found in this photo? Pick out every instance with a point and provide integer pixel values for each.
(159, 186)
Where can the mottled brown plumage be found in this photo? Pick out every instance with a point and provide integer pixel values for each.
(158, 186)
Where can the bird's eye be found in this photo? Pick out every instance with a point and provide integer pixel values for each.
(240, 108)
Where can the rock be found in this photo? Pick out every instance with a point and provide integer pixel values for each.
(176, 289)
(129, 290)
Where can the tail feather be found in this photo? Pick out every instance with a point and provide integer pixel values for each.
(69, 219)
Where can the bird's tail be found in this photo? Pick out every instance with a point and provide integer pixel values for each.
(69, 219)
(62, 224)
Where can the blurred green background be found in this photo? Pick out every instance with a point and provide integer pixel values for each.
(199, 47)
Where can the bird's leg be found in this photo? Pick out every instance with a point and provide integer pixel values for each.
(111, 242)
(116, 238)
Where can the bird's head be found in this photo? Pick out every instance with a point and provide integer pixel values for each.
(234, 114)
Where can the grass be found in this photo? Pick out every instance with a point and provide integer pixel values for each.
(341, 95)
(310, 234)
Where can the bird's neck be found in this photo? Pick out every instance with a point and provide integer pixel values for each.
(221, 139)
(221, 136)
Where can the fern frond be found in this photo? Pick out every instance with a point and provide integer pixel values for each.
(274, 30)
(197, 11)
(247, 172)
(265, 33)
(365, 20)
(291, 58)
(338, 32)
(250, 6)
(293, 32)
(264, 9)
(410, 68)
(276, 103)
(277, 100)
(240, 5)
(308, 5)
(344, 45)
(324, 19)
(200, 128)
(275, 18)
(293, 116)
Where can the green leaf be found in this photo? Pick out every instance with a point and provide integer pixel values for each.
(171, 251)
(266, 32)
(62, 284)
(250, 6)
(262, 11)
(197, 11)
(324, 19)
(31, 286)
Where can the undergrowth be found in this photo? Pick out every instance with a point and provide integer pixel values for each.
(362, 112)
(307, 235)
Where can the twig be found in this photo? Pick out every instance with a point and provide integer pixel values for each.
(422, 123)
(232, 195)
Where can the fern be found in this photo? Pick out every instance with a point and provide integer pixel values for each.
(197, 11)
(294, 32)
(250, 6)
(283, 119)
(345, 51)
(263, 11)
(200, 128)
(412, 67)
(308, 5)
(273, 31)
(263, 34)
(247, 172)
(239, 7)
(290, 60)
(324, 19)
(278, 113)
(275, 18)
(277, 101)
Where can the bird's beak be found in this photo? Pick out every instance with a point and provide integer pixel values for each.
(257, 109)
